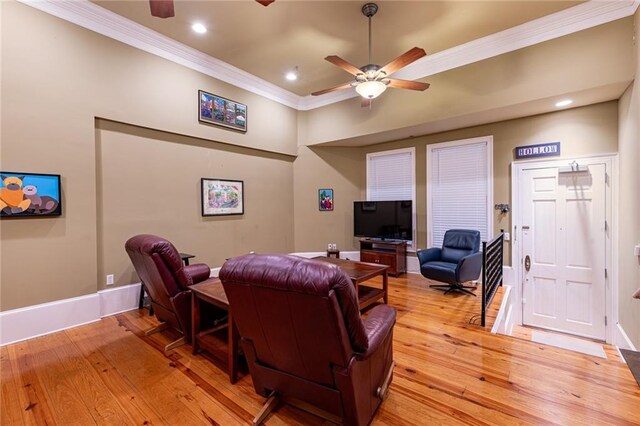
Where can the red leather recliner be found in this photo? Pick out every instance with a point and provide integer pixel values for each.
(303, 336)
(167, 280)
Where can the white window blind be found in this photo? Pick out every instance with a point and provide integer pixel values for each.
(459, 188)
(390, 176)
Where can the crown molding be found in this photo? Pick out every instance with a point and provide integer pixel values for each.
(102, 21)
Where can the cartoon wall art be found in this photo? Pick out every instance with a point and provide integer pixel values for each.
(29, 195)
(325, 199)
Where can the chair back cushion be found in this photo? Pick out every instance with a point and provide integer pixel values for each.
(301, 315)
(158, 265)
(459, 243)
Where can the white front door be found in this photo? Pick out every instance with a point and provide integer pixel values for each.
(564, 249)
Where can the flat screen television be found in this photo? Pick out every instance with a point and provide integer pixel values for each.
(392, 220)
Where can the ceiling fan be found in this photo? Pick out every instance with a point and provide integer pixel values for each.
(371, 80)
(164, 8)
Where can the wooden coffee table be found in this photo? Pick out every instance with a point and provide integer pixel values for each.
(211, 291)
(360, 272)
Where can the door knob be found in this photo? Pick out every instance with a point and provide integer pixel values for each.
(527, 263)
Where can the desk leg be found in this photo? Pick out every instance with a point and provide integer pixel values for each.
(233, 349)
(385, 286)
(195, 322)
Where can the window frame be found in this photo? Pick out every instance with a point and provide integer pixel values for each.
(411, 245)
(461, 142)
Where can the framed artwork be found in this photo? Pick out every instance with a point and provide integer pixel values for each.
(222, 197)
(221, 111)
(29, 195)
(325, 200)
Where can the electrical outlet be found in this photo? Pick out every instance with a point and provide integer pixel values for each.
(334, 246)
(110, 279)
(329, 246)
(507, 236)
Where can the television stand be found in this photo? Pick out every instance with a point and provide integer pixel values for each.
(386, 252)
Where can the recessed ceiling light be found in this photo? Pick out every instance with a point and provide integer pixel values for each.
(199, 28)
(292, 75)
(564, 103)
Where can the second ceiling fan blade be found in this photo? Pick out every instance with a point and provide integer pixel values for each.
(162, 8)
(332, 89)
(338, 61)
(403, 60)
(406, 84)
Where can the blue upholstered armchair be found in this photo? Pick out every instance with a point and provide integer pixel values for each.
(457, 262)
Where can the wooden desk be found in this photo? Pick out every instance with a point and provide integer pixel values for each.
(360, 272)
(211, 291)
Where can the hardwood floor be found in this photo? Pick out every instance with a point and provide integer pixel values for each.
(447, 372)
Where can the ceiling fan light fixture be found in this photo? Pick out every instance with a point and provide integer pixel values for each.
(371, 89)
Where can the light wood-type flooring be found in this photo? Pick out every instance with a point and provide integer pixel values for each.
(448, 372)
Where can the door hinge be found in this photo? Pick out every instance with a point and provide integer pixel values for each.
(606, 226)
(606, 178)
(524, 301)
(606, 273)
(605, 320)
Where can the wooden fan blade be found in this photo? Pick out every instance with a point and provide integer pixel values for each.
(332, 89)
(265, 2)
(406, 84)
(338, 61)
(365, 102)
(162, 8)
(403, 60)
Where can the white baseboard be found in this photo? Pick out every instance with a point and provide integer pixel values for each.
(621, 339)
(505, 318)
(413, 265)
(33, 321)
(351, 255)
(507, 276)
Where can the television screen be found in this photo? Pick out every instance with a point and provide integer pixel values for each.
(391, 220)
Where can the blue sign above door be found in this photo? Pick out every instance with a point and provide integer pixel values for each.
(540, 150)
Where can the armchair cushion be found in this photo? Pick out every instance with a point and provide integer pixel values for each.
(378, 325)
(429, 255)
(469, 268)
(197, 273)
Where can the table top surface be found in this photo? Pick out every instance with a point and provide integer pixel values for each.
(211, 289)
(357, 271)
(186, 256)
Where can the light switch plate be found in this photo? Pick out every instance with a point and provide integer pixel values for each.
(636, 250)
(507, 236)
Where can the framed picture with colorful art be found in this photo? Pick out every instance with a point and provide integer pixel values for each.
(220, 111)
(222, 197)
(325, 200)
(29, 195)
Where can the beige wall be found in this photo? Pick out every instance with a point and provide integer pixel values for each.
(326, 167)
(629, 205)
(535, 73)
(582, 131)
(149, 182)
(56, 78)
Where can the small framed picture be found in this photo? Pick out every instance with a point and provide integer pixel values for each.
(223, 112)
(325, 200)
(29, 195)
(221, 197)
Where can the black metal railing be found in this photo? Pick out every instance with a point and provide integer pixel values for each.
(492, 257)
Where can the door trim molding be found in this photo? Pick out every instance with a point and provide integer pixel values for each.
(611, 249)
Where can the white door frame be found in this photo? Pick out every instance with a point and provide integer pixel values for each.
(611, 250)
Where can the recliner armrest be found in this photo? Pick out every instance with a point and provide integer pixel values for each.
(198, 272)
(378, 324)
(428, 255)
(469, 268)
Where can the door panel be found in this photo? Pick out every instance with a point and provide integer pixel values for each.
(563, 231)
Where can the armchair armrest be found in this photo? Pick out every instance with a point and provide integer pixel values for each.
(428, 255)
(469, 268)
(198, 272)
(378, 325)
